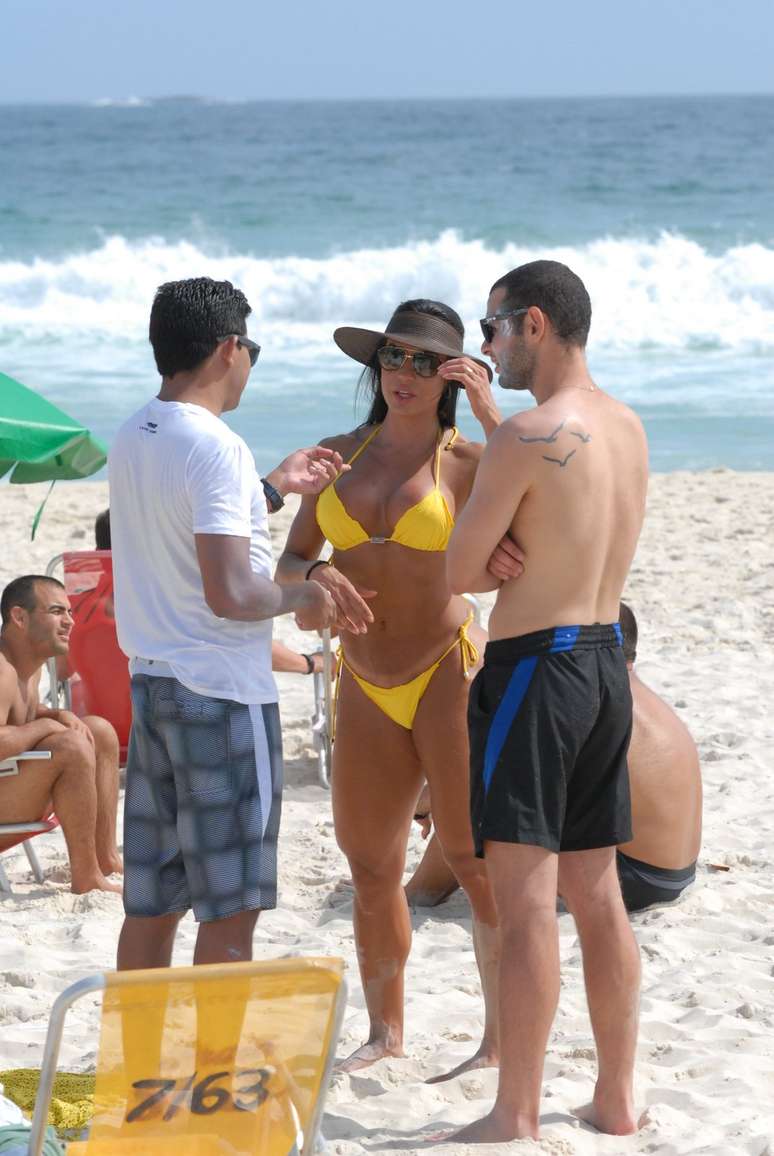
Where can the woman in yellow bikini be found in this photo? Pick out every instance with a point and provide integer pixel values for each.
(408, 643)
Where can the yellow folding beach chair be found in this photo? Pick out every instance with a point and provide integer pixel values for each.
(223, 1058)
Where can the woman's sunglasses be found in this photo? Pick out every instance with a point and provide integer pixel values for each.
(392, 357)
(252, 347)
(487, 323)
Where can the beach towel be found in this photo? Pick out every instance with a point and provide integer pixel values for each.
(72, 1100)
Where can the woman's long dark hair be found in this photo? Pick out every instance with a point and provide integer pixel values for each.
(371, 380)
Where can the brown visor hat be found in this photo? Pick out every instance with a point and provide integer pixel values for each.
(422, 330)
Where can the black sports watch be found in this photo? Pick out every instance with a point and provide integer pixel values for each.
(273, 496)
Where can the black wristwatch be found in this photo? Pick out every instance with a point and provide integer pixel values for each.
(273, 497)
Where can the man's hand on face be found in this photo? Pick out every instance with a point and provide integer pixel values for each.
(72, 722)
(307, 471)
(507, 560)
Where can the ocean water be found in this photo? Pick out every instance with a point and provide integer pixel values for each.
(331, 213)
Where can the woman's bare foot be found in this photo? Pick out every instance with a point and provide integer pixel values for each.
(614, 1118)
(485, 1057)
(493, 1129)
(368, 1054)
(96, 882)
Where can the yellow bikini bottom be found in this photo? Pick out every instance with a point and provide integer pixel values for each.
(400, 702)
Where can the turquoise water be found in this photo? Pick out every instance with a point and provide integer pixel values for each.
(330, 213)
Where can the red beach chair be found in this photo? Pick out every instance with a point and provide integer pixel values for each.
(95, 656)
(11, 834)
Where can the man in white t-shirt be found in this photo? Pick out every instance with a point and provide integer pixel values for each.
(194, 600)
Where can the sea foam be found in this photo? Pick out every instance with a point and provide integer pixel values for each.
(669, 293)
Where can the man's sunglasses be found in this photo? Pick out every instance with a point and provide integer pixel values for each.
(245, 343)
(487, 323)
(392, 357)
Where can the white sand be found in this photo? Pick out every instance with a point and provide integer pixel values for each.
(702, 588)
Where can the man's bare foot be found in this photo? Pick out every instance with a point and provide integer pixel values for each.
(485, 1057)
(96, 882)
(614, 1119)
(111, 864)
(368, 1054)
(493, 1129)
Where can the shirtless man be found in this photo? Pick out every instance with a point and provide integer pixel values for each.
(659, 862)
(550, 711)
(80, 782)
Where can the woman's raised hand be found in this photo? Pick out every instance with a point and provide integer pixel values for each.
(353, 613)
(474, 379)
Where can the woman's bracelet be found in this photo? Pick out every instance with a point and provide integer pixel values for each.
(319, 562)
(309, 663)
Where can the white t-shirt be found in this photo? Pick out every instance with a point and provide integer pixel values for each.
(177, 470)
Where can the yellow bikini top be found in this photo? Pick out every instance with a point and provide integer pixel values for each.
(425, 526)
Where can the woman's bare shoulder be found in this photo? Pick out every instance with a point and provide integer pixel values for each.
(465, 452)
(346, 442)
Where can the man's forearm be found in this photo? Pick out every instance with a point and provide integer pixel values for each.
(287, 660)
(482, 583)
(277, 481)
(465, 575)
(292, 568)
(256, 600)
(490, 420)
(14, 740)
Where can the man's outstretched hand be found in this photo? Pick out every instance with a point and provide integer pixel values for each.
(307, 471)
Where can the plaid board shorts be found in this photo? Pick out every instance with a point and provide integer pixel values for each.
(202, 804)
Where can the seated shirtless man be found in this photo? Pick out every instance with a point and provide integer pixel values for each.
(80, 782)
(665, 781)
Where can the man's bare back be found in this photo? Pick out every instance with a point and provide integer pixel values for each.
(665, 783)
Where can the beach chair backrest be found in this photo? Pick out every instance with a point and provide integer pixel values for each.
(231, 1058)
(94, 650)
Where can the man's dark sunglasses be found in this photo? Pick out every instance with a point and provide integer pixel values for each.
(487, 323)
(245, 343)
(392, 357)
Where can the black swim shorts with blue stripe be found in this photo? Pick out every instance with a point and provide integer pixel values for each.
(550, 718)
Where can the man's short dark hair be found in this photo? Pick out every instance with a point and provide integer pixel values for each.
(556, 290)
(102, 530)
(188, 317)
(629, 630)
(21, 592)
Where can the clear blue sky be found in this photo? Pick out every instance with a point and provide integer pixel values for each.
(249, 49)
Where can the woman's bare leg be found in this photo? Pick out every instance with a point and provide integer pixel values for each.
(375, 783)
(441, 739)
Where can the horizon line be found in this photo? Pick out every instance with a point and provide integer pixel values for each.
(137, 100)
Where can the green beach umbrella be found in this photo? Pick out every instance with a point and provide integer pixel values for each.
(40, 443)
